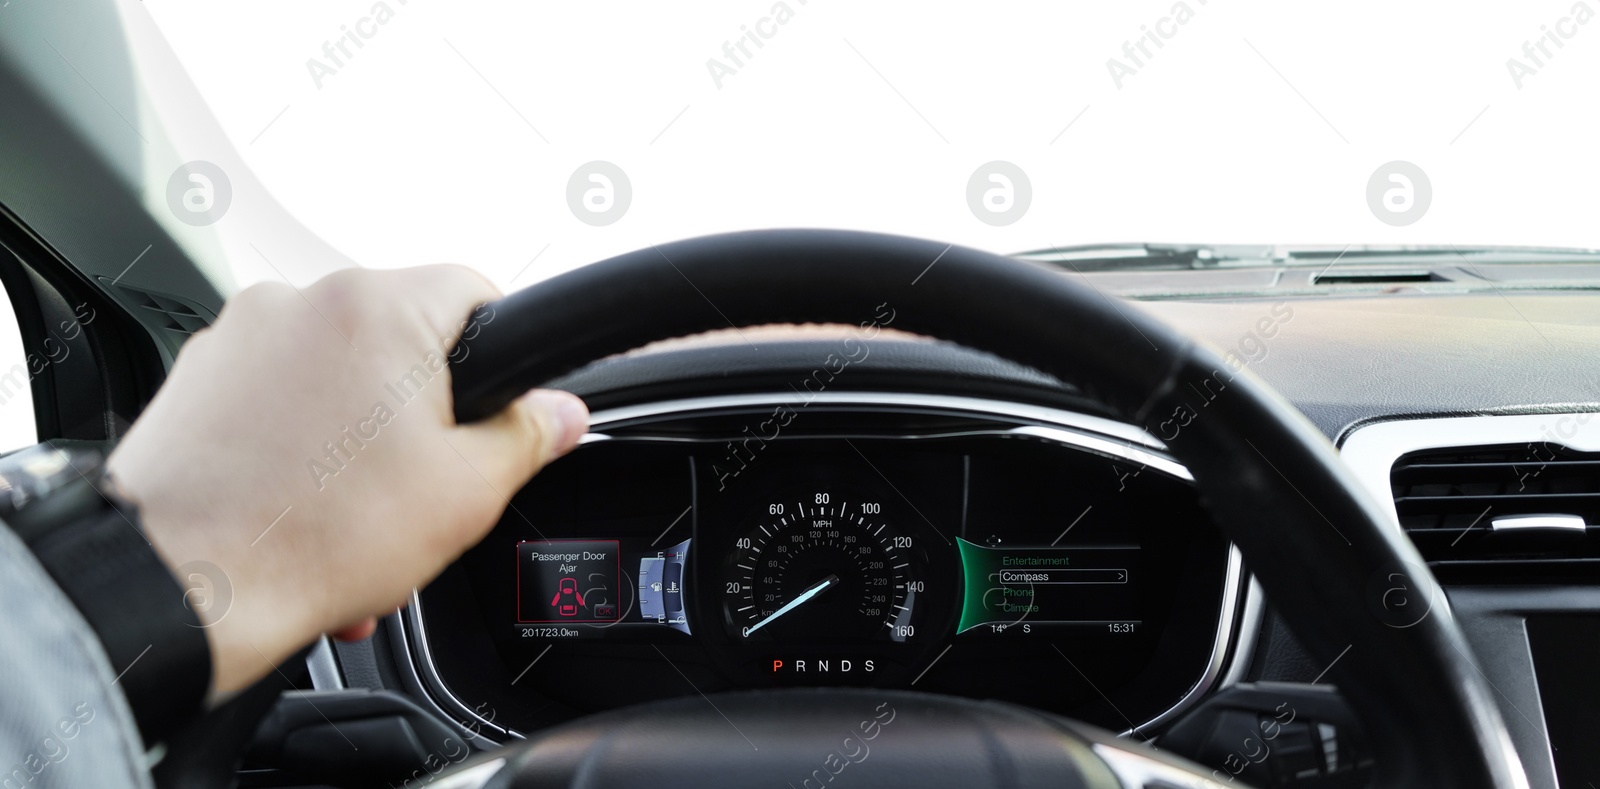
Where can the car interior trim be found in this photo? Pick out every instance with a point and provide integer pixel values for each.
(432, 687)
(1540, 523)
(1087, 433)
(323, 667)
(1219, 649)
(1371, 450)
(1093, 424)
(1255, 607)
(1495, 619)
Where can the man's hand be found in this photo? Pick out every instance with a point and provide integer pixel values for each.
(305, 447)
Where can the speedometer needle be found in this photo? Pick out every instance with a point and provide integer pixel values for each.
(814, 590)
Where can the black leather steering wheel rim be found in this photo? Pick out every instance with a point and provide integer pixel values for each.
(1321, 549)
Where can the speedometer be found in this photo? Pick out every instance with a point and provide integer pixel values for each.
(817, 570)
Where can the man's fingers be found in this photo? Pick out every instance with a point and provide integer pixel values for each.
(359, 631)
(447, 294)
(509, 447)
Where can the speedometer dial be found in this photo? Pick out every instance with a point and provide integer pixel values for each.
(817, 571)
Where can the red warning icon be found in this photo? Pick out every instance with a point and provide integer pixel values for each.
(567, 598)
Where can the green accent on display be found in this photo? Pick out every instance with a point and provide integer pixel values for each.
(1032, 585)
(985, 599)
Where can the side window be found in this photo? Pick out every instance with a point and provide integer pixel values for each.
(17, 426)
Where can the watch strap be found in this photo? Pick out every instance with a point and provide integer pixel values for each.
(90, 542)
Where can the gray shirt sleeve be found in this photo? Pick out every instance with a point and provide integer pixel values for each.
(63, 720)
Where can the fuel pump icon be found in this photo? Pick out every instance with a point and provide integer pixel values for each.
(661, 587)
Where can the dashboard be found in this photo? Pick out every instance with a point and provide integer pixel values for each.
(953, 545)
(1464, 376)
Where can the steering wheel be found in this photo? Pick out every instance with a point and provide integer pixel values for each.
(1352, 588)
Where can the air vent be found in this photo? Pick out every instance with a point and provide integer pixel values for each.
(180, 317)
(1525, 513)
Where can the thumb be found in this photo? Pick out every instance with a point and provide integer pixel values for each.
(511, 446)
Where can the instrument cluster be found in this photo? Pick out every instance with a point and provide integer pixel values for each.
(942, 550)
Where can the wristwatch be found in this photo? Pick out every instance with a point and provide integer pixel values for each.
(61, 503)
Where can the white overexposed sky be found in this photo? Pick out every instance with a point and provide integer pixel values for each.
(451, 133)
(17, 428)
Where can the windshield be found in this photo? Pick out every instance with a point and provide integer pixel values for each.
(528, 139)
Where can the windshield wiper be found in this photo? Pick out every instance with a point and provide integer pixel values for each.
(1128, 257)
(1174, 257)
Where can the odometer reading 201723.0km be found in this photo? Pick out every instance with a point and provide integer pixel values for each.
(818, 571)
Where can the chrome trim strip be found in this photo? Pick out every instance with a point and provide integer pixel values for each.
(1372, 450)
(1244, 650)
(1219, 647)
(323, 667)
(1092, 424)
(464, 717)
(1089, 433)
(410, 679)
(1370, 453)
(1101, 446)
(1539, 523)
(1084, 441)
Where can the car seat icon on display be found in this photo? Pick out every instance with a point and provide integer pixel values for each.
(567, 598)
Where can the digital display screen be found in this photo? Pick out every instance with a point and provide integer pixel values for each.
(1026, 589)
(580, 588)
(1006, 568)
(661, 585)
(569, 581)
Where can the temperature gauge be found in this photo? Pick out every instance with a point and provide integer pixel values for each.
(661, 587)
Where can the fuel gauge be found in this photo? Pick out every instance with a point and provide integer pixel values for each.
(661, 587)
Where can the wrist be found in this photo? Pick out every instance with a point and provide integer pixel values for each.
(249, 630)
(91, 545)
